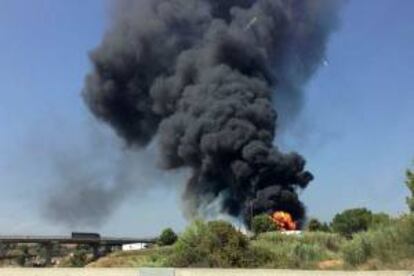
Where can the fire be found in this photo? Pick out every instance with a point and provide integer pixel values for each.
(284, 221)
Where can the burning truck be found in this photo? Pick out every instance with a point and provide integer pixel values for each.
(284, 221)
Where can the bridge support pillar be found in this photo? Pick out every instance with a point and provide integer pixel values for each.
(95, 250)
(48, 253)
(106, 250)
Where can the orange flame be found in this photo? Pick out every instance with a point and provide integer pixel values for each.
(284, 221)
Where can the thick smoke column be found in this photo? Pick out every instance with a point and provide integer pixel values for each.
(203, 76)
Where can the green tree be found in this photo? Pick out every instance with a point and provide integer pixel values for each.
(167, 237)
(352, 221)
(380, 220)
(262, 223)
(410, 184)
(314, 225)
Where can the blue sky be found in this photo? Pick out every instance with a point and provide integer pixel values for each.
(356, 130)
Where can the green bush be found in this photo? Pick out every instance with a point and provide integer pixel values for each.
(301, 252)
(352, 221)
(380, 220)
(386, 243)
(23, 255)
(218, 244)
(304, 255)
(404, 233)
(256, 257)
(159, 258)
(189, 250)
(314, 225)
(262, 224)
(330, 241)
(389, 244)
(280, 247)
(167, 237)
(358, 250)
(79, 257)
(215, 244)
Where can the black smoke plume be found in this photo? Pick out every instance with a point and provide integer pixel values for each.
(204, 76)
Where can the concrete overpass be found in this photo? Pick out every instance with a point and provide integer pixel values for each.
(96, 243)
(104, 241)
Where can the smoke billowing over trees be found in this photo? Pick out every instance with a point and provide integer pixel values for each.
(204, 76)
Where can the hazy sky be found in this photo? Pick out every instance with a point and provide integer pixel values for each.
(356, 131)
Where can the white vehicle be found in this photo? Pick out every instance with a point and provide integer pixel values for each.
(134, 246)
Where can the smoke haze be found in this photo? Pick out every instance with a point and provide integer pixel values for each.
(94, 178)
(204, 77)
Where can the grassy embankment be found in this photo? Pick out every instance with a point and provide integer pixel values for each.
(388, 247)
(153, 257)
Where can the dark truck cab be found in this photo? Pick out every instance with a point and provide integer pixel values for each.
(85, 236)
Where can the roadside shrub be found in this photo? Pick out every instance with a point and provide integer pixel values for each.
(167, 237)
(307, 255)
(300, 252)
(226, 245)
(214, 244)
(330, 241)
(380, 220)
(23, 255)
(407, 232)
(280, 248)
(262, 224)
(256, 257)
(389, 244)
(190, 250)
(79, 257)
(158, 258)
(314, 225)
(352, 221)
(358, 250)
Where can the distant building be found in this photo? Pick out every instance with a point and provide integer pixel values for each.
(134, 246)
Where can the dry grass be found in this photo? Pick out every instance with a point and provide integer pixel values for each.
(153, 257)
(376, 264)
(331, 265)
(308, 251)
